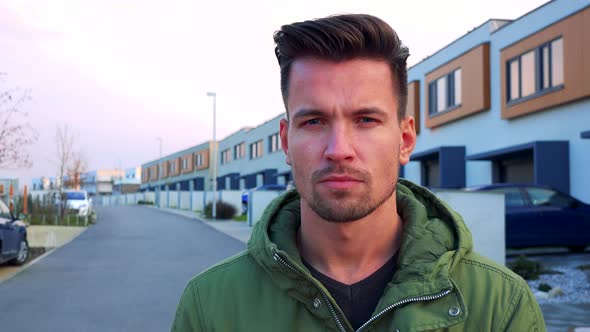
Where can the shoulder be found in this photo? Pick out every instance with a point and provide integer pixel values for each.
(486, 269)
(227, 274)
(211, 294)
(507, 297)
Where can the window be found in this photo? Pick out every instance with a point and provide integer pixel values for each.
(445, 92)
(199, 160)
(274, 143)
(535, 71)
(512, 197)
(256, 149)
(239, 151)
(225, 156)
(171, 167)
(184, 163)
(547, 197)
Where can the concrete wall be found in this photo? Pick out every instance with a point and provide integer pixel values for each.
(483, 212)
(233, 197)
(257, 202)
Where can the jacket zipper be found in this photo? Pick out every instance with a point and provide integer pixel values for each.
(278, 258)
(404, 301)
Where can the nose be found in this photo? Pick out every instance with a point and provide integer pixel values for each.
(340, 144)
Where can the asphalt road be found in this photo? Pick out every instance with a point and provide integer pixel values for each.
(126, 273)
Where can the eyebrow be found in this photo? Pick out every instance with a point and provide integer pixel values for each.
(306, 113)
(370, 111)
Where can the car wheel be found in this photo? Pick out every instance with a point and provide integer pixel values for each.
(577, 249)
(23, 253)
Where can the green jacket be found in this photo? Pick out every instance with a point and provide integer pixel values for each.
(440, 283)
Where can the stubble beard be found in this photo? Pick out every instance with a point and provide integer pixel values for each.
(337, 208)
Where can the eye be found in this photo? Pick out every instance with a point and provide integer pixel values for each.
(367, 120)
(312, 122)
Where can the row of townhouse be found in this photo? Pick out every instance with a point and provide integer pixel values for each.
(506, 102)
(248, 158)
(97, 182)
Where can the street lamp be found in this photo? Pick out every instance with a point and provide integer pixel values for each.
(214, 207)
(160, 139)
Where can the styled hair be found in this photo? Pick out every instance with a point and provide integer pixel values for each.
(340, 38)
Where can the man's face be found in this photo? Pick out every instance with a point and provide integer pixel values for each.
(343, 138)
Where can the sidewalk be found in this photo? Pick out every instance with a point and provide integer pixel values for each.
(236, 229)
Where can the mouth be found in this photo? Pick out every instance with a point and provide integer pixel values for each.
(340, 181)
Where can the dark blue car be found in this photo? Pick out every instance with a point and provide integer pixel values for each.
(14, 247)
(539, 216)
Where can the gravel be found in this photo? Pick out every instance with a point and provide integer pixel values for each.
(575, 284)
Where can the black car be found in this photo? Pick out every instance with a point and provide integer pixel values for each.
(538, 216)
(14, 247)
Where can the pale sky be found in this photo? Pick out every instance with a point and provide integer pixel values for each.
(123, 73)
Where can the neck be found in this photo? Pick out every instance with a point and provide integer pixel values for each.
(350, 251)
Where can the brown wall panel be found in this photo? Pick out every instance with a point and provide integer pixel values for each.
(189, 161)
(575, 31)
(175, 171)
(144, 175)
(413, 107)
(164, 170)
(475, 85)
(154, 173)
(205, 154)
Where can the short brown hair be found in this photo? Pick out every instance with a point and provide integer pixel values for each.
(339, 38)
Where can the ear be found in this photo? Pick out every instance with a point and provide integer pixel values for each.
(283, 133)
(408, 139)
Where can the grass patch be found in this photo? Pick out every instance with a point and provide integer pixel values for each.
(241, 218)
(65, 220)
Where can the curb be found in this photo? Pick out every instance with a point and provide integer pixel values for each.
(204, 221)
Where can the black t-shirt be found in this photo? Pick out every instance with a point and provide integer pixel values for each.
(358, 301)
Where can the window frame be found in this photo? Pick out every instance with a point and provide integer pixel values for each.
(226, 156)
(539, 74)
(449, 93)
(274, 143)
(239, 151)
(257, 152)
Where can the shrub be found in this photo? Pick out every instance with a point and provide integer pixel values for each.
(526, 268)
(142, 202)
(223, 210)
(543, 287)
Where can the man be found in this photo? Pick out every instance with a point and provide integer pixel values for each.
(355, 248)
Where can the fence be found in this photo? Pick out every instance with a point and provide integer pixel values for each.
(183, 200)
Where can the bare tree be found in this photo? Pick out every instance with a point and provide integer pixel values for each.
(76, 168)
(64, 141)
(16, 134)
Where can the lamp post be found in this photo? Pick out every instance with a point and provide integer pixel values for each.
(160, 139)
(214, 207)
